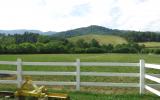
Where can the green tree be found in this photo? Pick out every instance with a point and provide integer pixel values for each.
(26, 37)
(12, 49)
(107, 48)
(81, 43)
(54, 48)
(1, 49)
(40, 47)
(94, 43)
(27, 48)
(94, 50)
(7, 40)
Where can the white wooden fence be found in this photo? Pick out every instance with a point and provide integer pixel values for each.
(152, 78)
(141, 65)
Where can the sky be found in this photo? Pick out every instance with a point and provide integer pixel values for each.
(61, 15)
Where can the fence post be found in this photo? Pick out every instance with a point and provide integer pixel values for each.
(19, 72)
(78, 74)
(142, 76)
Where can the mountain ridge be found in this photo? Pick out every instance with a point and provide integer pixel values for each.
(92, 29)
(21, 31)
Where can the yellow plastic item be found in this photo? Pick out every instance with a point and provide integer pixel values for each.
(58, 96)
(30, 89)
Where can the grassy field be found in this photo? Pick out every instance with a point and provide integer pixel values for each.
(97, 93)
(108, 57)
(151, 44)
(102, 39)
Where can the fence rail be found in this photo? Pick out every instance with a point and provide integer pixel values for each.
(109, 64)
(8, 62)
(47, 73)
(7, 72)
(152, 90)
(152, 78)
(109, 74)
(77, 73)
(49, 63)
(110, 84)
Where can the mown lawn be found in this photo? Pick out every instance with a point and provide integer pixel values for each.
(97, 93)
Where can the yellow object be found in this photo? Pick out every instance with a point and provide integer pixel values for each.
(30, 89)
(58, 96)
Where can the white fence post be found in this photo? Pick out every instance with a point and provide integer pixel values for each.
(19, 72)
(142, 76)
(78, 74)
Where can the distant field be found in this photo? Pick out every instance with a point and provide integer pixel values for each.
(102, 39)
(151, 44)
(86, 58)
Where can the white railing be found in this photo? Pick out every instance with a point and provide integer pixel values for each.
(141, 65)
(152, 78)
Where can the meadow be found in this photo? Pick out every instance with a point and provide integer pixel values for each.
(152, 45)
(87, 93)
(102, 39)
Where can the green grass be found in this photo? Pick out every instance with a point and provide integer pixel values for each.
(97, 96)
(102, 39)
(97, 93)
(108, 57)
(151, 44)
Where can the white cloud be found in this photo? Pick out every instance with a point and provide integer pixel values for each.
(59, 15)
(138, 15)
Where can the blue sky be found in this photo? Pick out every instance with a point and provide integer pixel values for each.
(60, 15)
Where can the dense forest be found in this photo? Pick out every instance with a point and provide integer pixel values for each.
(32, 43)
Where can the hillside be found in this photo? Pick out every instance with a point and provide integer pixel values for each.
(102, 39)
(151, 44)
(94, 29)
(129, 35)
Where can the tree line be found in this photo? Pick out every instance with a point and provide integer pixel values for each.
(32, 43)
(135, 36)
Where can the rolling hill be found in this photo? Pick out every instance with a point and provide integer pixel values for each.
(102, 39)
(151, 44)
(102, 34)
(94, 29)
